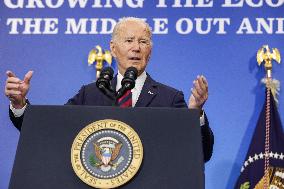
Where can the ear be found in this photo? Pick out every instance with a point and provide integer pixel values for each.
(112, 48)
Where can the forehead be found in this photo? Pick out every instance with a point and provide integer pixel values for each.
(133, 29)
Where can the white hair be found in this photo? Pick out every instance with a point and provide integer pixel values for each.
(123, 20)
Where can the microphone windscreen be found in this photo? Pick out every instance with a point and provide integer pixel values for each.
(131, 70)
(107, 73)
(108, 70)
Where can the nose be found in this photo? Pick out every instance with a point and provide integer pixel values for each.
(136, 46)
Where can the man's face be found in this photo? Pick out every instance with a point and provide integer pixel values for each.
(132, 46)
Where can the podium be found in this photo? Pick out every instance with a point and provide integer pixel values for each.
(171, 141)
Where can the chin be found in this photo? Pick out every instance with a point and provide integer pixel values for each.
(135, 65)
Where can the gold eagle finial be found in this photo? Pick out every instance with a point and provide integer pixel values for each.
(99, 56)
(264, 55)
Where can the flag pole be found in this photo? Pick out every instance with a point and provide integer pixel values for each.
(264, 55)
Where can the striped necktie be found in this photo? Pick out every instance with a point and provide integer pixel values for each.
(126, 100)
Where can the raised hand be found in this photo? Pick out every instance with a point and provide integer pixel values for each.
(17, 89)
(199, 93)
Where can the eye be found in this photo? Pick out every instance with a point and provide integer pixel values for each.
(128, 40)
(144, 41)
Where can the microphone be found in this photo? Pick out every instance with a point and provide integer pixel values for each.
(103, 82)
(128, 82)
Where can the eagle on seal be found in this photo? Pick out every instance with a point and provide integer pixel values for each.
(107, 154)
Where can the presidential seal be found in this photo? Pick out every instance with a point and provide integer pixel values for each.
(106, 154)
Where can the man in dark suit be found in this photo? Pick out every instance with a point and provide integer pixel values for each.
(131, 46)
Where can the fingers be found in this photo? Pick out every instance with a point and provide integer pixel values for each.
(203, 82)
(12, 89)
(10, 74)
(13, 80)
(10, 93)
(199, 100)
(201, 86)
(16, 89)
(199, 92)
(195, 94)
(28, 77)
(12, 86)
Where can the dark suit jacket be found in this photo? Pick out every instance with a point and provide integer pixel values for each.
(153, 94)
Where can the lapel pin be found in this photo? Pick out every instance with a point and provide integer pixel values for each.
(149, 92)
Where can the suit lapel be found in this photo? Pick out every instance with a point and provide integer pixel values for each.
(148, 93)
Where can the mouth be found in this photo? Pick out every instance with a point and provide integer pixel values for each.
(135, 58)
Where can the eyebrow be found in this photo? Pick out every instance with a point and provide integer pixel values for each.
(142, 38)
(129, 37)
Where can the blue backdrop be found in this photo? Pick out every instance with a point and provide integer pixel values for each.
(215, 39)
